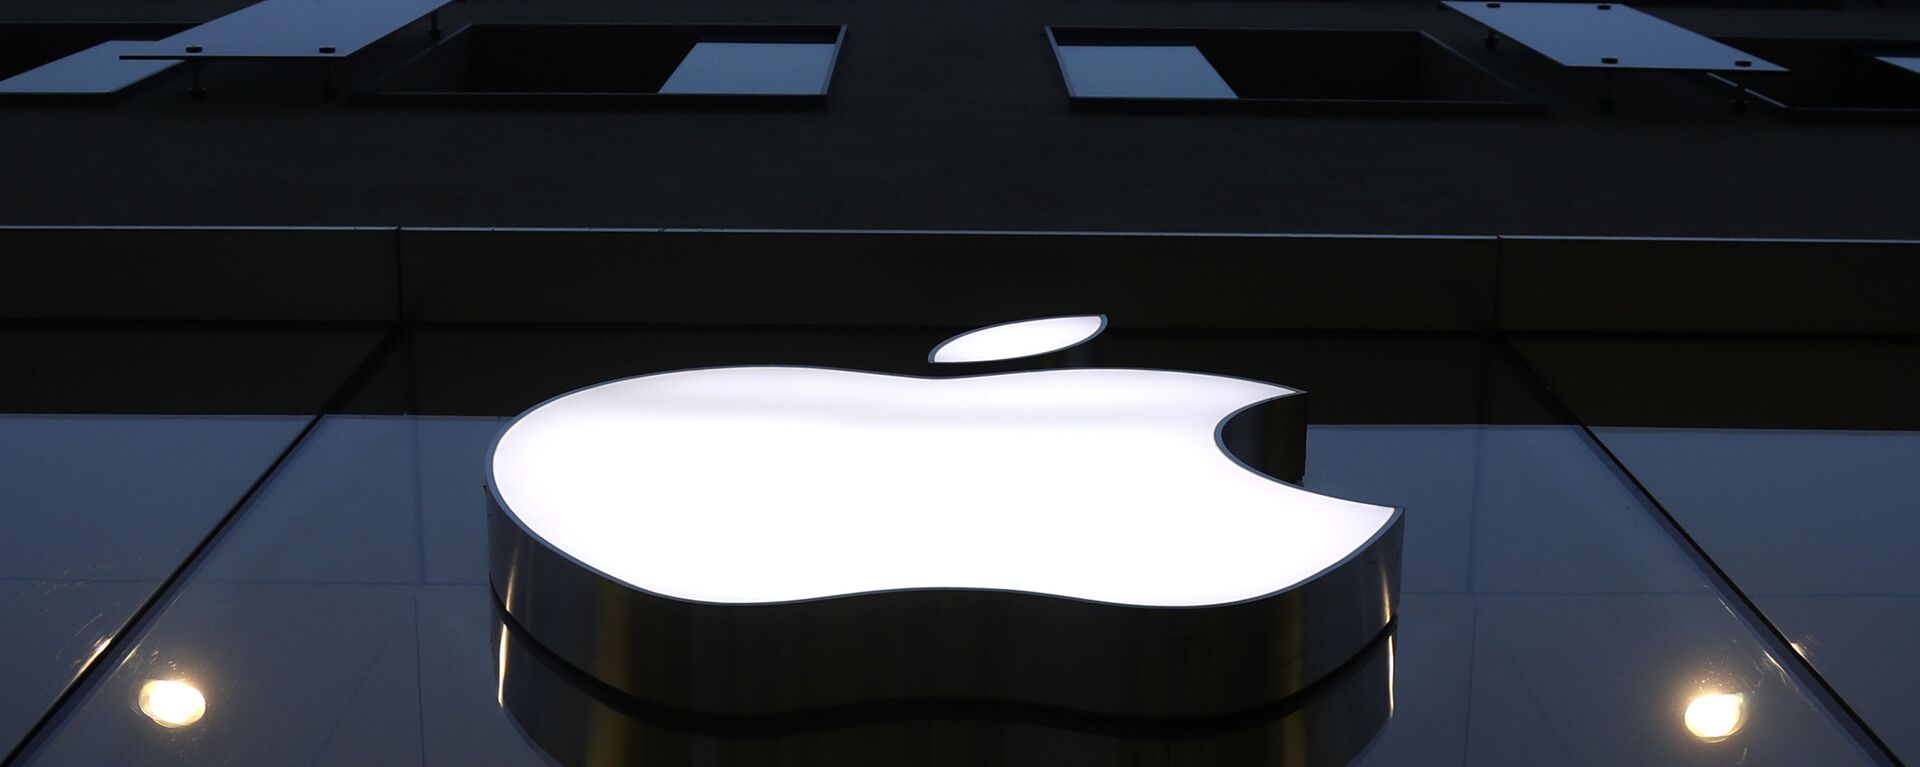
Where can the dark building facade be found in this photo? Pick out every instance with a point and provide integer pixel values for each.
(1639, 373)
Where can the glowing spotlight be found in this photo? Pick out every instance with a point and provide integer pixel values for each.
(1713, 717)
(172, 704)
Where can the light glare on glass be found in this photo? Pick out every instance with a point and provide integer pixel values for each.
(171, 703)
(1714, 717)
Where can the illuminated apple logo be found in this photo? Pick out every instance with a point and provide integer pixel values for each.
(803, 537)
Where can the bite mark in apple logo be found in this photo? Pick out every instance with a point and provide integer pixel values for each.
(934, 537)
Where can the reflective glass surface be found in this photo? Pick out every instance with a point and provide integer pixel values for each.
(753, 68)
(1909, 63)
(292, 29)
(1141, 71)
(1560, 626)
(343, 621)
(1790, 461)
(99, 510)
(1817, 526)
(346, 619)
(120, 450)
(1547, 615)
(96, 70)
(1608, 35)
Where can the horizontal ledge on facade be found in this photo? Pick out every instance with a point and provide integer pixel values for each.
(932, 277)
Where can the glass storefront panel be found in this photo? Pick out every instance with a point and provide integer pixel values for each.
(1547, 615)
(120, 450)
(391, 655)
(100, 510)
(1816, 527)
(1790, 461)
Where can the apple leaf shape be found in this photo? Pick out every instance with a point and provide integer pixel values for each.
(1013, 340)
(749, 485)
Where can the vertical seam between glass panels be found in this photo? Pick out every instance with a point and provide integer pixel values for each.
(1736, 599)
(130, 631)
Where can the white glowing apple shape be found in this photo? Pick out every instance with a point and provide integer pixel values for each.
(772, 484)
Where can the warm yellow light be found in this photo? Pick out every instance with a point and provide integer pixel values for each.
(500, 690)
(1713, 717)
(172, 703)
(1390, 680)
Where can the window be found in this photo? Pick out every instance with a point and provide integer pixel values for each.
(1288, 70)
(624, 64)
(753, 68)
(1834, 79)
(74, 61)
(1141, 71)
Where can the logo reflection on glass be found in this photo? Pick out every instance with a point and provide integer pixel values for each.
(1117, 542)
